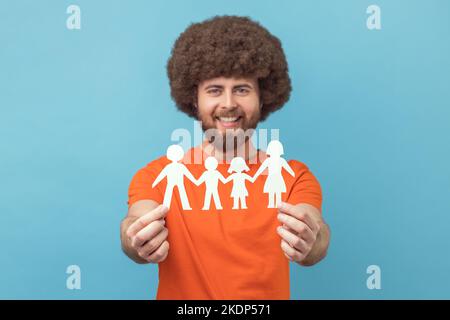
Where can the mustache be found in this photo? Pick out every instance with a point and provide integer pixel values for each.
(229, 113)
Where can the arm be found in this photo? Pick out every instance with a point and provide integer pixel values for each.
(160, 176)
(286, 166)
(200, 180)
(189, 175)
(223, 179)
(260, 170)
(144, 222)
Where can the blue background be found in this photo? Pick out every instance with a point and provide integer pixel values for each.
(82, 110)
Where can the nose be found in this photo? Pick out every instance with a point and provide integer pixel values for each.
(229, 101)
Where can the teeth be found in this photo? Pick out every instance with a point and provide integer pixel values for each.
(228, 119)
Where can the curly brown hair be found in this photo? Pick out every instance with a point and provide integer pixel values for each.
(228, 46)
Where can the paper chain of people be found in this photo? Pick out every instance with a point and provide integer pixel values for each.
(175, 172)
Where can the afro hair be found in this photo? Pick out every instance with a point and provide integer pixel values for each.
(228, 46)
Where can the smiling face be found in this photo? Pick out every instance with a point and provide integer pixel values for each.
(227, 104)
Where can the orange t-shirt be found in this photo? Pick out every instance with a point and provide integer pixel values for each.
(228, 253)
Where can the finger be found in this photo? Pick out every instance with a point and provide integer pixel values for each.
(155, 214)
(287, 228)
(293, 240)
(290, 221)
(147, 234)
(299, 227)
(300, 214)
(160, 254)
(292, 254)
(287, 256)
(153, 244)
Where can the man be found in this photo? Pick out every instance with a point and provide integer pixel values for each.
(229, 73)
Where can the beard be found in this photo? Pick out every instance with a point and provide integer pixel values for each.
(229, 140)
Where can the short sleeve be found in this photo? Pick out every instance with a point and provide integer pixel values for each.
(304, 188)
(141, 185)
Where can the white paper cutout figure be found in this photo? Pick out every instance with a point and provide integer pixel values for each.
(175, 172)
(211, 179)
(274, 184)
(239, 191)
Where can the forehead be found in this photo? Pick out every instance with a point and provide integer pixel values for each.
(223, 81)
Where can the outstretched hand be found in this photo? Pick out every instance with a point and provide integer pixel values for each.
(299, 231)
(148, 235)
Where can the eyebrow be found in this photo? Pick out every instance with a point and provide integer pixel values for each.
(241, 85)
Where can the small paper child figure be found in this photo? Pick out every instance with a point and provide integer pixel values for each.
(274, 184)
(239, 191)
(211, 179)
(175, 173)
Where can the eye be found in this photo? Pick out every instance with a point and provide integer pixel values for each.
(242, 91)
(213, 91)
